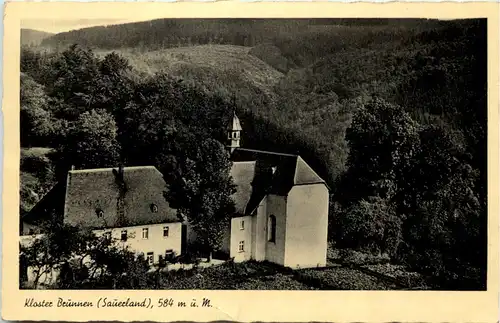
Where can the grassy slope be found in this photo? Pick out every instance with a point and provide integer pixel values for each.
(206, 65)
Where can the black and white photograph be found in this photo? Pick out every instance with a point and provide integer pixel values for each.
(253, 154)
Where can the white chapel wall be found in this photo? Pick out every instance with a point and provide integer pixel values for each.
(307, 226)
(275, 251)
(259, 232)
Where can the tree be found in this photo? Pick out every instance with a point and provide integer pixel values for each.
(445, 234)
(382, 141)
(371, 225)
(199, 185)
(73, 81)
(115, 84)
(83, 259)
(37, 128)
(90, 142)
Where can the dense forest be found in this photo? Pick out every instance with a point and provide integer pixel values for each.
(392, 113)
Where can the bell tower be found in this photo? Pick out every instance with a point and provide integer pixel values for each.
(234, 133)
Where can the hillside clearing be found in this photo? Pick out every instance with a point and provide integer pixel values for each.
(205, 64)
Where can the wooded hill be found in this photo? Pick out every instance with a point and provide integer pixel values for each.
(296, 85)
(33, 37)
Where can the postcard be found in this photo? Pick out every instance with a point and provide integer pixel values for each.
(243, 162)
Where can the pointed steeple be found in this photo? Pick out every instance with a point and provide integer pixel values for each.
(234, 133)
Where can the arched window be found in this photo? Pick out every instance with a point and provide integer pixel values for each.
(271, 229)
(154, 208)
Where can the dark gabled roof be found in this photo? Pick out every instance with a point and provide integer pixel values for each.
(273, 173)
(243, 174)
(50, 205)
(91, 190)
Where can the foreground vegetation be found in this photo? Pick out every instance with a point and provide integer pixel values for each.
(391, 114)
(89, 262)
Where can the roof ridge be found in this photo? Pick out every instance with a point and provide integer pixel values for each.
(96, 170)
(245, 161)
(295, 170)
(267, 152)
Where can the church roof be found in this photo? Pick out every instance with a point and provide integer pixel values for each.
(90, 190)
(272, 173)
(243, 174)
(235, 124)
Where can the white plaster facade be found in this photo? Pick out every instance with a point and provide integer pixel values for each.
(301, 224)
(158, 239)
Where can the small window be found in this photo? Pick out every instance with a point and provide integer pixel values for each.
(165, 232)
(242, 225)
(99, 213)
(154, 208)
(124, 235)
(150, 258)
(271, 229)
(107, 235)
(241, 246)
(235, 135)
(169, 254)
(145, 233)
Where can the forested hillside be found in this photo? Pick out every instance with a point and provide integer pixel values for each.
(392, 113)
(33, 37)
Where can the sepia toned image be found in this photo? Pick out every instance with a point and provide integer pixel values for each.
(290, 154)
(172, 162)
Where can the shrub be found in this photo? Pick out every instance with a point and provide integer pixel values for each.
(353, 257)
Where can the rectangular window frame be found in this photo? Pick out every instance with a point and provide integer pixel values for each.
(168, 254)
(242, 225)
(167, 230)
(150, 257)
(145, 233)
(241, 246)
(124, 235)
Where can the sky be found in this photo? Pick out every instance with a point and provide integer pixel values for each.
(61, 25)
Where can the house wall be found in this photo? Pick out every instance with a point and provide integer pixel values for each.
(26, 240)
(259, 232)
(155, 243)
(27, 227)
(307, 226)
(237, 235)
(275, 251)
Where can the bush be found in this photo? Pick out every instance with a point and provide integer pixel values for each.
(341, 279)
(370, 225)
(353, 257)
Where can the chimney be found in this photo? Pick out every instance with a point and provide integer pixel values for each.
(72, 167)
